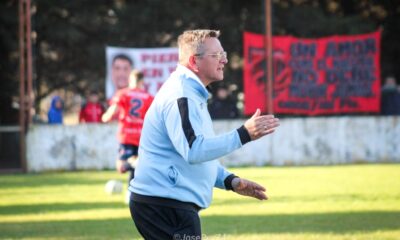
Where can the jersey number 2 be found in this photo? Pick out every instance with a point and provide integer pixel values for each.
(136, 104)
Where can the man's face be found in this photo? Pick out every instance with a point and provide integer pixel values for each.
(58, 104)
(93, 98)
(120, 71)
(212, 61)
(222, 93)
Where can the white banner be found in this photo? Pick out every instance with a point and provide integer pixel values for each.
(155, 63)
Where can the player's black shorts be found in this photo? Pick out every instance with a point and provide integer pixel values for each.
(180, 220)
(127, 150)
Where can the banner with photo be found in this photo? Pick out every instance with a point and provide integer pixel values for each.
(155, 63)
(331, 75)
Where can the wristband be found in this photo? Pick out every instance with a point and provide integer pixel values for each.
(228, 181)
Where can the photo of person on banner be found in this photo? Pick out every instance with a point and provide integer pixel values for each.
(155, 63)
(121, 67)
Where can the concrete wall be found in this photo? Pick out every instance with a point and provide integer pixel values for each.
(323, 141)
(57, 147)
(298, 141)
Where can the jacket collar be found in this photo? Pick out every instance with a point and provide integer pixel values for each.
(195, 80)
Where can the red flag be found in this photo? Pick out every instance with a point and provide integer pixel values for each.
(331, 75)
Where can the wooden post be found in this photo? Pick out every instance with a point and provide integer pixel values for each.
(25, 75)
(22, 104)
(29, 62)
(268, 55)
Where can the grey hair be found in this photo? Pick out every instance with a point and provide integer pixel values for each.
(192, 42)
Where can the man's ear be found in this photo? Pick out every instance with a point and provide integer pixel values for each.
(193, 64)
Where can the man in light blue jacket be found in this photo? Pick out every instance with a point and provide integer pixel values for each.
(178, 150)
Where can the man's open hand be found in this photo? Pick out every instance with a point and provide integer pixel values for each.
(260, 125)
(248, 188)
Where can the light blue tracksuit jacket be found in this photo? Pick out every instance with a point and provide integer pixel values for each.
(178, 149)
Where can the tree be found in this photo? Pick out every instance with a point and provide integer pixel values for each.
(72, 35)
(8, 61)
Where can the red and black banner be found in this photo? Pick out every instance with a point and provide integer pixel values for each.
(331, 75)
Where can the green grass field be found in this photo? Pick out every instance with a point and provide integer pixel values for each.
(332, 202)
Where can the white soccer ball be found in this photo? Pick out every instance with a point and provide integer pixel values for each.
(113, 187)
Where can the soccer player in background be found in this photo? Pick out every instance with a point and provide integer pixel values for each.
(131, 104)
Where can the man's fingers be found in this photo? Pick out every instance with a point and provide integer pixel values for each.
(269, 128)
(260, 195)
(252, 189)
(259, 187)
(268, 122)
(269, 131)
(255, 186)
(264, 118)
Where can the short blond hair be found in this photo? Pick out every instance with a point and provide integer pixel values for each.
(192, 42)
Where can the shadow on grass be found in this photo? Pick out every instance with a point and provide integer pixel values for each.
(119, 228)
(47, 179)
(59, 178)
(337, 223)
(56, 207)
(306, 198)
(114, 228)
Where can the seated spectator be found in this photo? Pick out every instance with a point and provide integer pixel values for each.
(390, 98)
(55, 113)
(92, 110)
(222, 106)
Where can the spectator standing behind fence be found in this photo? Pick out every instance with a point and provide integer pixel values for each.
(390, 97)
(92, 110)
(222, 105)
(55, 113)
(132, 104)
(178, 152)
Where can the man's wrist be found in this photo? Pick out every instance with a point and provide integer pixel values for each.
(244, 135)
(228, 181)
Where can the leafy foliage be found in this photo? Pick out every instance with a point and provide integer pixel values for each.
(71, 35)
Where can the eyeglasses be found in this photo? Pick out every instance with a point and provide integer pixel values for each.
(218, 55)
